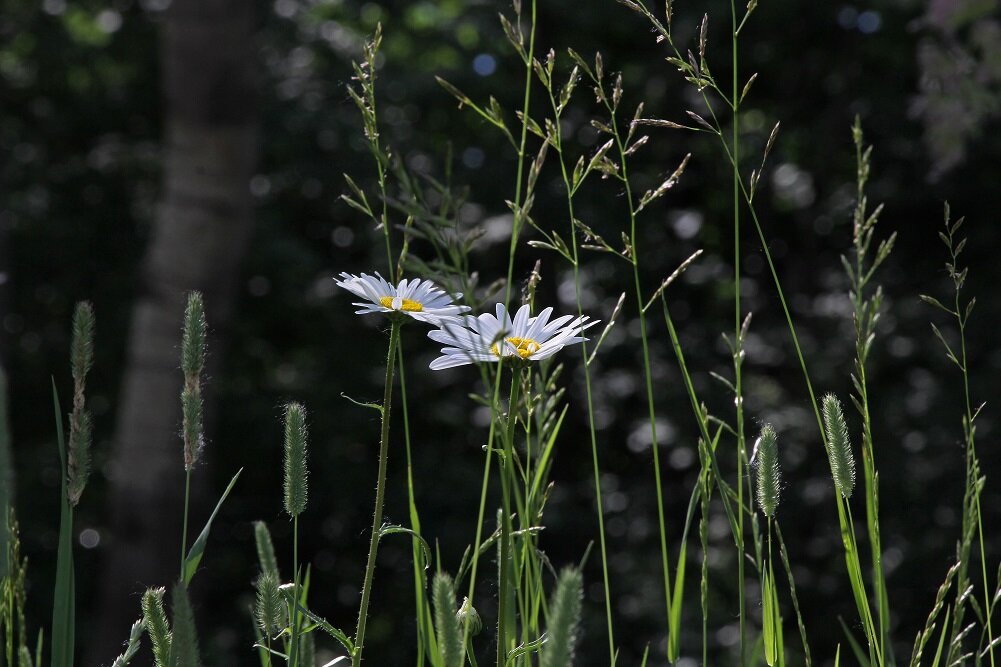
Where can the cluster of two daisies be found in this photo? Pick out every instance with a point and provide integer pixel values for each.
(467, 339)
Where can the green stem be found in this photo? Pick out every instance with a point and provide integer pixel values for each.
(595, 465)
(423, 629)
(380, 495)
(184, 526)
(507, 480)
(294, 650)
(517, 221)
(738, 338)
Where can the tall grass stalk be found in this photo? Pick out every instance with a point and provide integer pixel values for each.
(972, 522)
(558, 104)
(866, 308)
(192, 362)
(296, 496)
(380, 495)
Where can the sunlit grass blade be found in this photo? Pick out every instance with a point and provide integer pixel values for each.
(64, 604)
(197, 550)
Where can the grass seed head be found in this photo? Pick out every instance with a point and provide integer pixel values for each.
(296, 485)
(839, 448)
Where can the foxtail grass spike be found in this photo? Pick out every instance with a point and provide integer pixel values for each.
(131, 647)
(564, 618)
(839, 448)
(157, 626)
(296, 485)
(81, 360)
(266, 549)
(192, 363)
(184, 643)
(768, 474)
(270, 608)
(449, 630)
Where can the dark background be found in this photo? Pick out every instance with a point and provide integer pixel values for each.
(82, 120)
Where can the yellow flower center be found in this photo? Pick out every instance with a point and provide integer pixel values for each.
(523, 346)
(408, 305)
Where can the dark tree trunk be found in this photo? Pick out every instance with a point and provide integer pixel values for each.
(201, 233)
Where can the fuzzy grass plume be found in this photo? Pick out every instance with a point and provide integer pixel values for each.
(564, 619)
(192, 363)
(184, 644)
(769, 476)
(269, 607)
(296, 483)
(157, 627)
(81, 358)
(839, 447)
(446, 621)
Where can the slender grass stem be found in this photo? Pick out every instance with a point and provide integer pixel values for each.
(420, 601)
(526, 102)
(294, 651)
(507, 481)
(380, 495)
(595, 464)
(184, 525)
(481, 512)
(738, 337)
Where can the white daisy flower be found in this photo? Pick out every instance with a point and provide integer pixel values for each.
(491, 338)
(422, 300)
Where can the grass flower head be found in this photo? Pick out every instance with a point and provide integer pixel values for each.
(422, 300)
(495, 337)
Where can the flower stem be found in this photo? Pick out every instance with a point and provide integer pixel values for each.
(380, 495)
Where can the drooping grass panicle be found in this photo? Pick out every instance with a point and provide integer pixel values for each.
(265, 549)
(564, 619)
(446, 622)
(269, 608)
(184, 642)
(131, 647)
(839, 448)
(157, 626)
(81, 360)
(769, 477)
(296, 484)
(192, 363)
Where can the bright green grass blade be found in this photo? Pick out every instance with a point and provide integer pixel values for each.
(837, 656)
(63, 606)
(674, 620)
(197, 550)
(769, 632)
